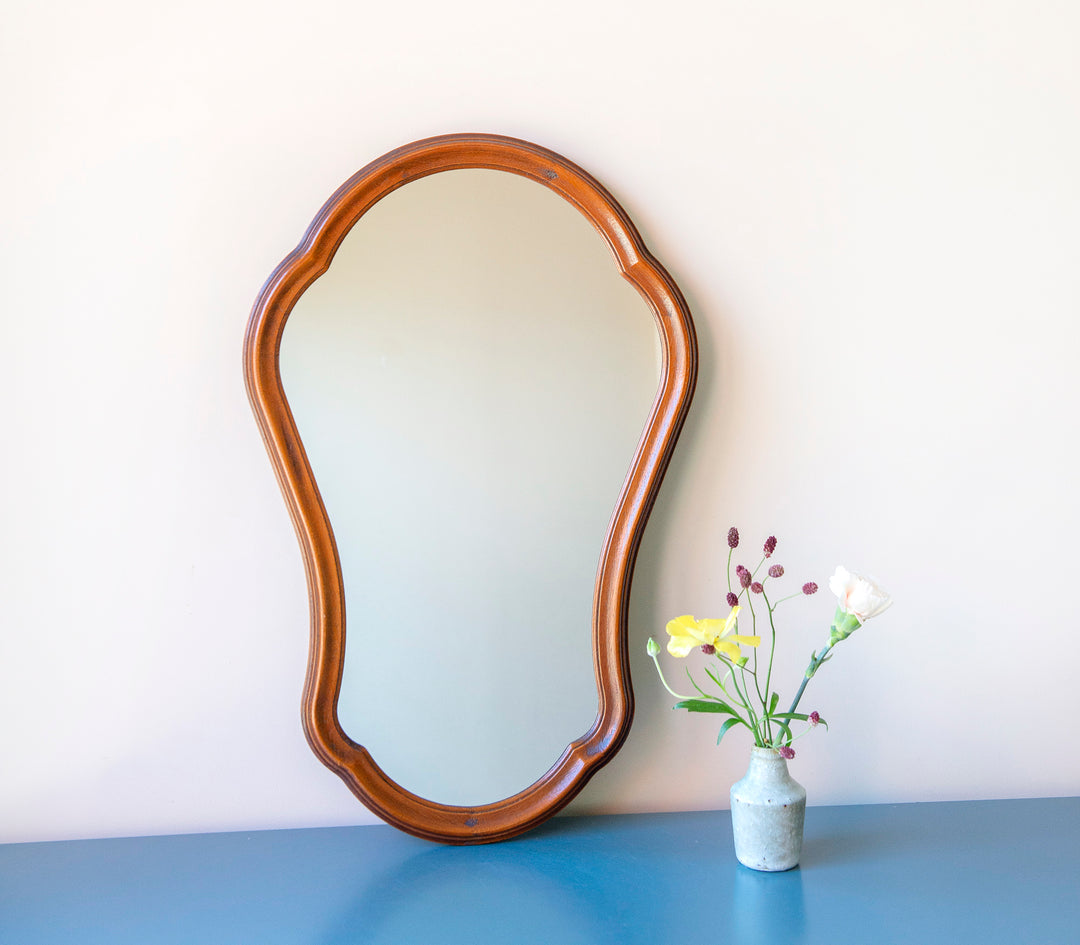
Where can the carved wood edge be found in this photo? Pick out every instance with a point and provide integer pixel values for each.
(584, 756)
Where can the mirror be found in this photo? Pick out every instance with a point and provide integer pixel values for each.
(470, 379)
(483, 392)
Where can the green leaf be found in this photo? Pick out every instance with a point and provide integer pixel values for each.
(704, 705)
(730, 723)
(772, 702)
(798, 717)
(709, 673)
(785, 730)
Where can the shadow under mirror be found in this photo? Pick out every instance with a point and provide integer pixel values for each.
(470, 380)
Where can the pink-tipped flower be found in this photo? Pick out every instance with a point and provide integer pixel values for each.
(814, 717)
(743, 575)
(732, 599)
(756, 587)
(809, 588)
(708, 649)
(770, 546)
(733, 537)
(777, 570)
(786, 752)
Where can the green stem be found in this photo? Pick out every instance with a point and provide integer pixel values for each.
(656, 663)
(753, 624)
(809, 728)
(733, 666)
(739, 697)
(772, 648)
(767, 729)
(815, 664)
(745, 699)
(772, 654)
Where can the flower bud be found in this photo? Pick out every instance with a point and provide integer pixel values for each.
(770, 546)
(756, 587)
(843, 626)
(708, 649)
(743, 576)
(732, 599)
(653, 647)
(733, 537)
(786, 752)
(809, 588)
(814, 717)
(777, 570)
(742, 661)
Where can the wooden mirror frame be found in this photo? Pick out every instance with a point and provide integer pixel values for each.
(311, 258)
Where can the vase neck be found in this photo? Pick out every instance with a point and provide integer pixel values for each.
(767, 762)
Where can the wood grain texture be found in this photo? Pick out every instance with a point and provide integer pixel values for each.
(587, 754)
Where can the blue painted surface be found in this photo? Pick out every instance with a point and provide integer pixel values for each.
(982, 872)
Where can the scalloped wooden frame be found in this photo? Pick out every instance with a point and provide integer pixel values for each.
(311, 258)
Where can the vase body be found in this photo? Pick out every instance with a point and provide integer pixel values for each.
(768, 808)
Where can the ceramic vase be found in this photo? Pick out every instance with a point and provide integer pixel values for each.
(768, 807)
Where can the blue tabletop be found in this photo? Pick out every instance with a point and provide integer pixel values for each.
(982, 872)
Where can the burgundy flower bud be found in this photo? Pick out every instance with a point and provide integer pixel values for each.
(786, 752)
(770, 546)
(814, 717)
(756, 587)
(733, 537)
(777, 570)
(708, 649)
(744, 576)
(732, 598)
(809, 588)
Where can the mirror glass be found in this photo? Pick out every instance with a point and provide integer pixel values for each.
(470, 379)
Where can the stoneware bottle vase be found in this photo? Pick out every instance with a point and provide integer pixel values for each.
(768, 807)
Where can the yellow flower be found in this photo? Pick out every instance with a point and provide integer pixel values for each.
(688, 632)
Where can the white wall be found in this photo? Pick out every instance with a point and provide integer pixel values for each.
(873, 209)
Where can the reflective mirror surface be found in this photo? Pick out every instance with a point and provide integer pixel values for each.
(470, 380)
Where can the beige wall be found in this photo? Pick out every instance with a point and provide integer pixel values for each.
(873, 211)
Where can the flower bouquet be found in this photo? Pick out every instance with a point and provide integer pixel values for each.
(745, 696)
